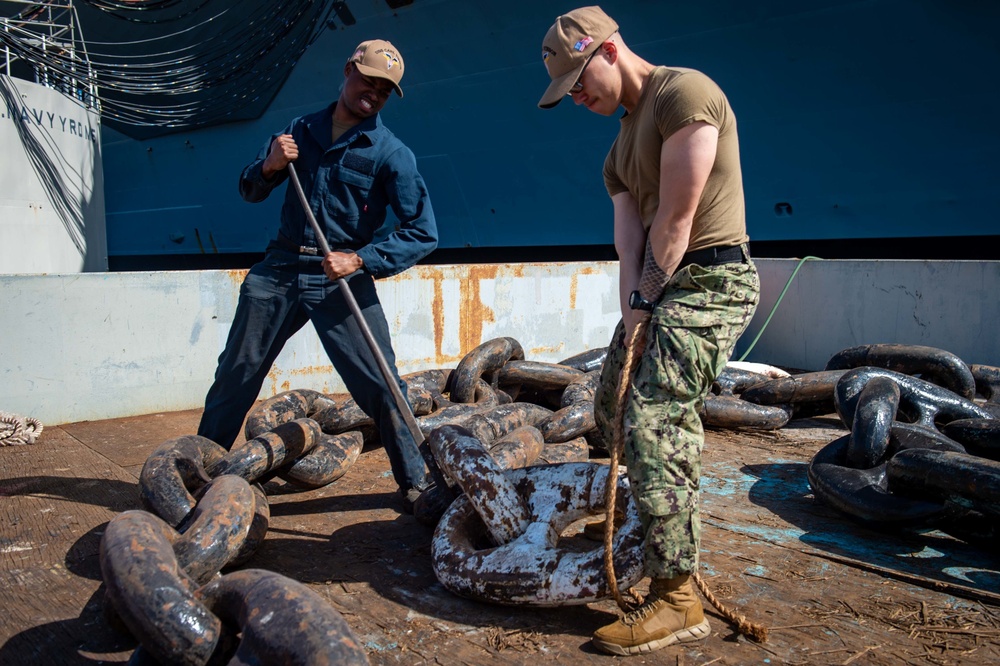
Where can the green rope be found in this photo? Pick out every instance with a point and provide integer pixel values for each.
(776, 304)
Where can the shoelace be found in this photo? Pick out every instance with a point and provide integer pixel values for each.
(640, 613)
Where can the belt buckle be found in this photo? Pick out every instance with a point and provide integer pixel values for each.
(306, 249)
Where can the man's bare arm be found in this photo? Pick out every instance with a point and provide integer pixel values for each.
(630, 244)
(686, 160)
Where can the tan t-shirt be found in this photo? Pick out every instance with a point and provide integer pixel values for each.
(672, 98)
(339, 129)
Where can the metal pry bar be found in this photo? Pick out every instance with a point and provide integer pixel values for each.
(397, 394)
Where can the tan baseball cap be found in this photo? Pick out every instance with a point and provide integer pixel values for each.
(568, 44)
(379, 59)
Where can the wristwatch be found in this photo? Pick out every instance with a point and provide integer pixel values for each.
(637, 302)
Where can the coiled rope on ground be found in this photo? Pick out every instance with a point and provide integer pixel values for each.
(18, 430)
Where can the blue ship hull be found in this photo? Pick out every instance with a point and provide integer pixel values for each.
(864, 126)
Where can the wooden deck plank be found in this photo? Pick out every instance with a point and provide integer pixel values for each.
(57, 497)
(128, 441)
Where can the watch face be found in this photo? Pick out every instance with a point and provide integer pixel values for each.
(637, 302)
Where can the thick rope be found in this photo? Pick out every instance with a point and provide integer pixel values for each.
(757, 632)
(754, 631)
(636, 341)
(18, 430)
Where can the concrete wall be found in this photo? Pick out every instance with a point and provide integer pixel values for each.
(93, 346)
(832, 305)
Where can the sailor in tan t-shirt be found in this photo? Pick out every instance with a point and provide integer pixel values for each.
(687, 285)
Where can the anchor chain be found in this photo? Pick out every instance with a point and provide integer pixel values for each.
(920, 453)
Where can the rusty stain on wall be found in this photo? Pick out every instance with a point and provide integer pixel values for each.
(472, 312)
(472, 317)
(574, 283)
(542, 350)
(437, 311)
(324, 372)
(437, 277)
(236, 276)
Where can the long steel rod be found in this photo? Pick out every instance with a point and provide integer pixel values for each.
(352, 303)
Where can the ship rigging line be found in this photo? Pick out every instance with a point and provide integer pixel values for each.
(141, 6)
(226, 61)
(157, 38)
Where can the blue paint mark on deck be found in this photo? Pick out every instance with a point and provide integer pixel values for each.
(773, 502)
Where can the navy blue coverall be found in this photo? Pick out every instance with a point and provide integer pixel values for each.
(350, 185)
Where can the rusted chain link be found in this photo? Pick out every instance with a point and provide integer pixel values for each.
(181, 612)
(499, 540)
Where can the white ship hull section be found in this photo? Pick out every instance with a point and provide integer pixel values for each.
(51, 182)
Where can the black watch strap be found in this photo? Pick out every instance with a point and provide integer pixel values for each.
(637, 302)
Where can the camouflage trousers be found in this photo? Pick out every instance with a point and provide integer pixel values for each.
(691, 335)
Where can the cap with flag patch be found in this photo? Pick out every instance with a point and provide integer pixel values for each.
(379, 59)
(568, 44)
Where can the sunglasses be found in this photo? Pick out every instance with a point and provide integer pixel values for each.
(578, 86)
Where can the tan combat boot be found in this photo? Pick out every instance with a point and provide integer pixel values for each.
(671, 614)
